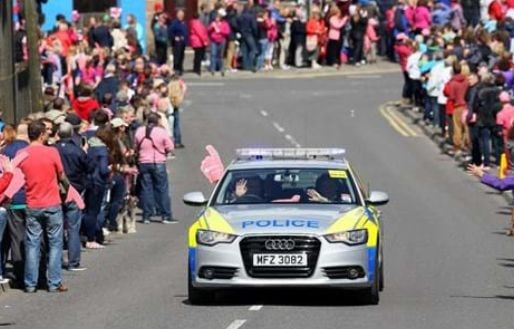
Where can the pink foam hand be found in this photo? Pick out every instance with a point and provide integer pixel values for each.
(74, 196)
(212, 166)
(17, 182)
(294, 199)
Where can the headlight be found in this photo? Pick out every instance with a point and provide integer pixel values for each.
(211, 238)
(351, 238)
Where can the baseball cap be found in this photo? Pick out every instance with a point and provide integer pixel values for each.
(117, 122)
(56, 116)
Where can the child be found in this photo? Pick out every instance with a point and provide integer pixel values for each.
(371, 40)
(176, 92)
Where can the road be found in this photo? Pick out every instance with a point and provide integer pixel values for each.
(447, 263)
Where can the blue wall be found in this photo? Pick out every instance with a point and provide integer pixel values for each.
(65, 7)
(54, 7)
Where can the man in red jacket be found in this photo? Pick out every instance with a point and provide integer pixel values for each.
(85, 103)
(456, 90)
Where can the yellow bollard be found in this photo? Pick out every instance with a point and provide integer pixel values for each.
(502, 171)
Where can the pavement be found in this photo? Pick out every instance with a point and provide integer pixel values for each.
(447, 262)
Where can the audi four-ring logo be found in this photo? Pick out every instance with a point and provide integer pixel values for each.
(279, 244)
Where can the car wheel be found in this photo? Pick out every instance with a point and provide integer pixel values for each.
(372, 294)
(198, 296)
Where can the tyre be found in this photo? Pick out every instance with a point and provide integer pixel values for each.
(198, 296)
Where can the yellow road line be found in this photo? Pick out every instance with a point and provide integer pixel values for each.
(401, 122)
(392, 122)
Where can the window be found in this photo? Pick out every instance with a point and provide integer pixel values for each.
(98, 6)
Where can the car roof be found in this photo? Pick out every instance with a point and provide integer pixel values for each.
(271, 164)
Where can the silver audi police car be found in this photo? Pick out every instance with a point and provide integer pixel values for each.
(286, 218)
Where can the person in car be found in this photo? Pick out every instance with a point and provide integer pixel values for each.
(327, 190)
(248, 189)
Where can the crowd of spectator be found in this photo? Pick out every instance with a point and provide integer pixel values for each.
(75, 170)
(459, 73)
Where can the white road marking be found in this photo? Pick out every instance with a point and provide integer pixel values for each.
(236, 324)
(245, 96)
(278, 127)
(264, 113)
(289, 138)
(255, 307)
(206, 84)
(367, 76)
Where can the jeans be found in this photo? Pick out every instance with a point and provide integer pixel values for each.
(217, 51)
(474, 135)
(49, 220)
(16, 226)
(118, 190)
(431, 110)
(284, 50)
(94, 199)
(177, 132)
(154, 190)
(249, 50)
(484, 135)
(179, 49)
(72, 222)
(3, 224)
(197, 61)
(263, 45)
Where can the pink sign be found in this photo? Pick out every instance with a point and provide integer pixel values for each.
(212, 167)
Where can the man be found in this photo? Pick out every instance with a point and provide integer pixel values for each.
(101, 35)
(248, 28)
(160, 32)
(472, 102)
(153, 143)
(109, 84)
(456, 93)
(77, 167)
(43, 172)
(178, 35)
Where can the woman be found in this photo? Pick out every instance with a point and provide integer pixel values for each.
(359, 23)
(272, 38)
(199, 41)
(335, 40)
(297, 39)
(98, 151)
(262, 37)
(422, 19)
(284, 28)
(315, 30)
(219, 30)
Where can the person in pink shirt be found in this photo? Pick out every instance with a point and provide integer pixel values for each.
(505, 117)
(153, 143)
(422, 19)
(370, 41)
(219, 30)
(199, 39)
(335, 24)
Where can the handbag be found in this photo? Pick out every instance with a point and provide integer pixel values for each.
(311, 42)
(464, 118)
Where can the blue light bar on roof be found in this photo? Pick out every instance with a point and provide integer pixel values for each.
(290, 153)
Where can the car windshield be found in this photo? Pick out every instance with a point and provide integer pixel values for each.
(306, 185)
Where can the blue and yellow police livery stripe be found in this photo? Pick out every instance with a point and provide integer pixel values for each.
(212, 220)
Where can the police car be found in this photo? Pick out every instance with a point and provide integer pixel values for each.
(287, 218)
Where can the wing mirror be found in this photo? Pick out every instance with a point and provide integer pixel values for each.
(195, 199)
(377, 198)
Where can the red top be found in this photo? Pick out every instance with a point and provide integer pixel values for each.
(496, 11)
(83, 106)
(5, 180)
(403, 52)
(456, 90)
(198, 34)
(41, 168)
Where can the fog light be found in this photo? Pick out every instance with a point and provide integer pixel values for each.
(353, 273)
(208, 274)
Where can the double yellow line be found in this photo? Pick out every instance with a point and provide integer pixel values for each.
(396, 122)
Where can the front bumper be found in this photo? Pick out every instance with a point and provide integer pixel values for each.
(331, 255)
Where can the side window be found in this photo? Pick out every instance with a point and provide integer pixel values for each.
(363, 186)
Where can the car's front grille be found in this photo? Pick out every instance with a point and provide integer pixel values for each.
(217, 272)
(343, 272)
(310, 246)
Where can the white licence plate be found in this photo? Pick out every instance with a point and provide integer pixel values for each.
(279, 260)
